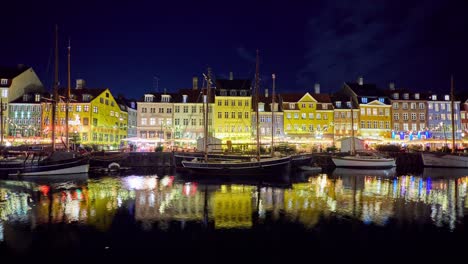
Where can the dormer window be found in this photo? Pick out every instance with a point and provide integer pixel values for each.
(204, 98)
(338, 104)
(406, 96)
(381, 99)
(396, 96)
(243, 93)
(261, 107)
(184, 98)
(348, 104)
(165, 98)
(4, 81)
(291, 105)
(364, 100)
(233, 93)
(416, 96)
(447, 97)
(86, 97)
(324, 106)
(25, 97)
(37, 97)
(434, 97)
(223, 92)
(149, 98)
(132, 105)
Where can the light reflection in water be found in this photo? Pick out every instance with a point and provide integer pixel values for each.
(162, 201)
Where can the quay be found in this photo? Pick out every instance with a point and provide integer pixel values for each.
(405, 161)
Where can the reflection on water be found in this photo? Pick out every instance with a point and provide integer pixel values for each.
(161, 201)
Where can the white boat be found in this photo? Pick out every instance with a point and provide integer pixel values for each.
(369, 162)
(444, 160)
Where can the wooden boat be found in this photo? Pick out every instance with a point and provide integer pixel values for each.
(239, 166)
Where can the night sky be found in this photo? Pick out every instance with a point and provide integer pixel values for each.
(127, 45)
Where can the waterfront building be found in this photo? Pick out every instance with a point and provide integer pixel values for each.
(409, 114)
(232, 111)
(25, 116)
(155, 114)
(375, 109)
(439, 117)
(14, 82)
(189, 117)
(342, 117)
(130, 107)
(307, 118)
(464, 119)
(95, 118)
(265, 108)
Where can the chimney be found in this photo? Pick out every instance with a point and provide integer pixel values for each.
(195, 83)
(317, 88)
(391, 86)
(361, 80)
(80, 84)
(231, 76)
(266, 93)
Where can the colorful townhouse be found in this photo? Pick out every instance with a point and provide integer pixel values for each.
(307, 118)
(25, 116)
(343, 107)
(267, 111)
(464, 119)
(409, 114)
(374, 107)
(155, 118)
(232, 110)
(95, 118)
(16, 81)
(189, 116)
(439, 117)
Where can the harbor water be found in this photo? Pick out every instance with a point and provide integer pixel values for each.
(358, 216)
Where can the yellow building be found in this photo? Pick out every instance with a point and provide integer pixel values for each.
(307, 118)
(95, 118)
(374, 109)
(232, 111)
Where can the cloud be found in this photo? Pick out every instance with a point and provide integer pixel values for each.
(384, 42)
(244, 54)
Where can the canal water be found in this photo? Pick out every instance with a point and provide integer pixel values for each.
(343, 215)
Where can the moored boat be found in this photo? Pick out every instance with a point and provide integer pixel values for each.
(369, 162)
(446, 160)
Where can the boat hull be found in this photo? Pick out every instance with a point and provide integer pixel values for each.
(74, 166)
(444, 160)
(265, 166)
(356, 162)
(301, 160)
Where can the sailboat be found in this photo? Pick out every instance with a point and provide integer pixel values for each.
(253, 166)
(40, 161)
(448, 160)
(355, 160)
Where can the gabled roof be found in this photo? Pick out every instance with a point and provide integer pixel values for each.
(173, 97)
(291, 97)
(11, 72)
(343, 99)
(267, 101)
(365, 89)
(77, 94)
(193, 96)
(31, 98)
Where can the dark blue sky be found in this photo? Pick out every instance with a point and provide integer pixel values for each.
(123, 45)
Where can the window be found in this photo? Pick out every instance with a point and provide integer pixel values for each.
(395, 106)
(364, 100)
(296, 116)
(447, 98)
(413, 106)
(226, 102)
(396, 116)
(185, 122)
(387, 112)
(318, 116)
(144, 121)
(311, 115)
(185, 109)
(374, 111)
(194, 108)
(193, 122)
(246, 115)
(226, 115)
(233, 114)
(160, 110)
(220, 103)
(421, 105)
(78, 108)
(405, 106)
(95, 121)
(143, 110)
(396, 126)
(291, 105)
(369, 110)
(239, 115)
(152, 121)
(413, 116)
(406, 96)
(220, 115)
(177, 121)
(414, 127)
(338, 104)
(95, 109)
(111, 113)
(86, 108)
(363, 124)
(382, 100)
(101, 100)
(246, 102)
(363, 111)
(304, 115)
(405, 116)
(4, 81)
(169, 110)
(233, 102)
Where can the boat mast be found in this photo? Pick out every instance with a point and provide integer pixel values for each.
(207, 100)
(273, 76)
(67, 103)
(55, 89)
(453, 114)
(256, 107)
(353, 148)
